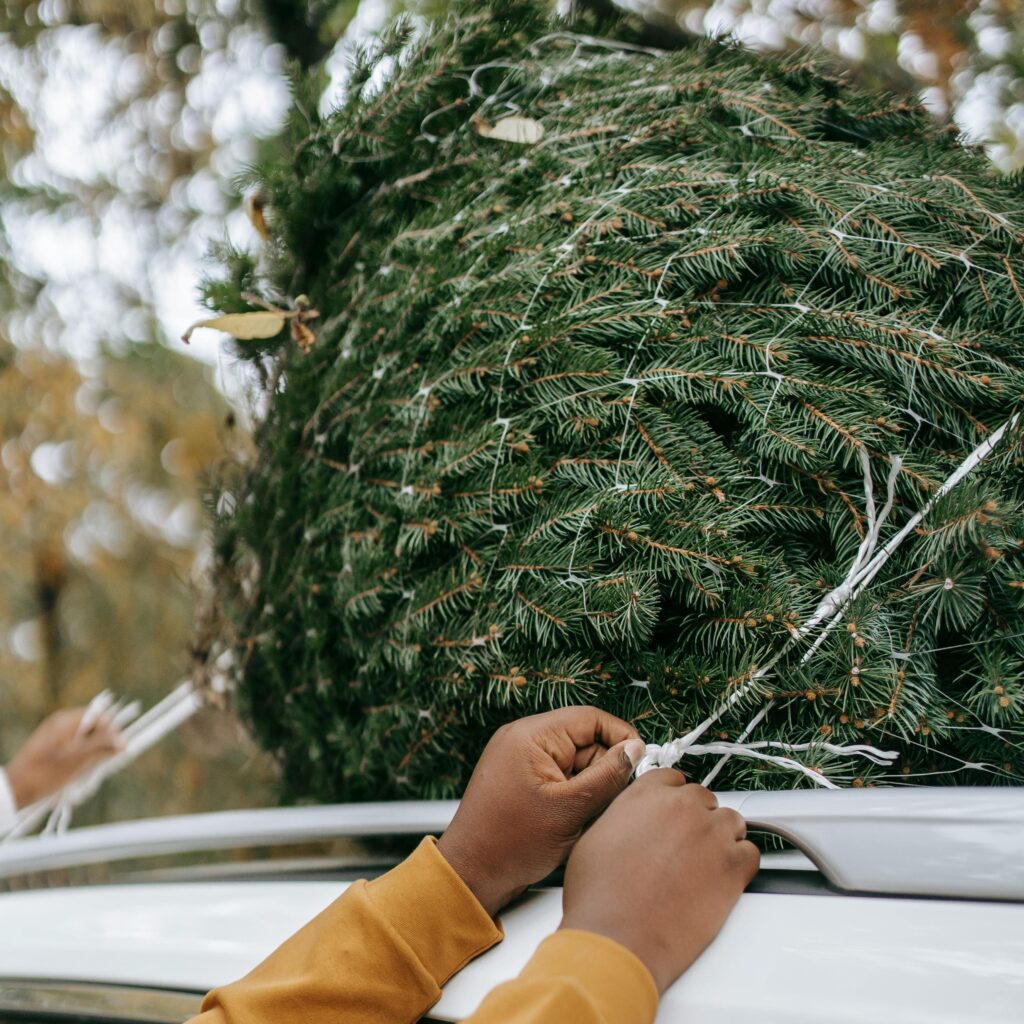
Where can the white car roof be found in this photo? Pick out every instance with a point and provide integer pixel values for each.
(952, 954)
(781, 959)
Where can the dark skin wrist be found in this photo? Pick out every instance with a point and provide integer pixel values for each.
(480, 879)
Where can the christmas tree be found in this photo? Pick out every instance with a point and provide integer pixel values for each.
(684, 384)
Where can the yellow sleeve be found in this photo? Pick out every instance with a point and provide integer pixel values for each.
(574, 976)
(378, 955)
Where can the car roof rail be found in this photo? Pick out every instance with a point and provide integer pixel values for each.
(960, 842)
(940, 842)
(222, 830)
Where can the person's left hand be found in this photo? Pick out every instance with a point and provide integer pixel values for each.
(58, 751)
(538, 784)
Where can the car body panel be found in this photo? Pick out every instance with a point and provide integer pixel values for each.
(781, 958)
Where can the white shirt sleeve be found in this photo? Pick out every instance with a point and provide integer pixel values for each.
(8, 808)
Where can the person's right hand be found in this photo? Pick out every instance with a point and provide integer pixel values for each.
(659, 872)
(537, 786)
(57, 752)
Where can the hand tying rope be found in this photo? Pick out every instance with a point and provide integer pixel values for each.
(140, 732)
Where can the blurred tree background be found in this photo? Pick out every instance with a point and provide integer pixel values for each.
(125, 129)
(122, 125)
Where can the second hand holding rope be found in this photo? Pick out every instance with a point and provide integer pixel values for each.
(141, 734)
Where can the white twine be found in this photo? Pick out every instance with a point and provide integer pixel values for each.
(120, 714)
(867, 563)
(140, 732)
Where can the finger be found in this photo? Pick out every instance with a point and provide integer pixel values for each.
(102, 726)
(732, 821)
(73, 718)
(586, 725)
(586, 756)
(703, 795)
(98, 707)
(592, 754)
(750, 860)
(101, 723)
(594, 788)
(662, 777)
(102, 741)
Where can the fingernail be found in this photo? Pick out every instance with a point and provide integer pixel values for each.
(634, 750)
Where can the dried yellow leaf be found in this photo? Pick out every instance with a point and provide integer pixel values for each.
(523, 130)
(244, 326)
(256, 208)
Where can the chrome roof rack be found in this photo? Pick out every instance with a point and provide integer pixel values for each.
(954, 842)
(964, 842)
(222, 830)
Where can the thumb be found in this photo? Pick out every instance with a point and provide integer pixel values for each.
(601, 782)
(100, 742)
